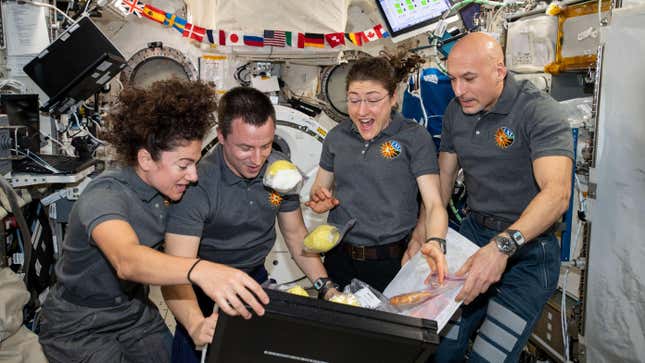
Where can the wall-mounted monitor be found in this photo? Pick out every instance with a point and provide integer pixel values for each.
(407, 18)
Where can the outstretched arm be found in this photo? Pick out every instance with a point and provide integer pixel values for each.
(436, 223)
(485, 267)
(448, 166)
(294, 232)
(135, 262)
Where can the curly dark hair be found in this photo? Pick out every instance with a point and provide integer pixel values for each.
(388, 69)
(249, 104)
(168, 114)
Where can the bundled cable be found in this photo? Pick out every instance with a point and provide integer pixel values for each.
(12, 198)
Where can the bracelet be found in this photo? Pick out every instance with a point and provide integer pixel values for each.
(442, 243)
(190, 270)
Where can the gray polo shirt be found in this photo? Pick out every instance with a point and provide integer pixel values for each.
(375, 180)
(114, 195)
(496, 149)
(235, 217)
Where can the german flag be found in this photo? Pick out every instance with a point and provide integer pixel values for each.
(154, 14)
(315, 40)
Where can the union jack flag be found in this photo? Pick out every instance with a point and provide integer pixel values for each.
(127, 7)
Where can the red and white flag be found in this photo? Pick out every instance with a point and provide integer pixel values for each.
(335, 39)
(127, 7)
(235, 38)
(372, 34)
(194, 32)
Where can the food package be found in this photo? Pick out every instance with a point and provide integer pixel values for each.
(369, 297)
(326, 236)
(346, 298)
(283, 177)
(434, 289)
(322, 239)
(298, 290)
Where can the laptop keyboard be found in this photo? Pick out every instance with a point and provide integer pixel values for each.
(61, 163)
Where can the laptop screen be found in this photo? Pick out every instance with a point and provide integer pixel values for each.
(296, 328)
(79, 54)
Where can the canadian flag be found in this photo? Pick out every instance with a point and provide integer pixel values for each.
(374, 33)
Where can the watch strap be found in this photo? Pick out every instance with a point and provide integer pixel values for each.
(320, 283)
(442, 243)
(516, 236)
(327, 284)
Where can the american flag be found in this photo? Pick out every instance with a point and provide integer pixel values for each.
(128, 7)
(275, 38)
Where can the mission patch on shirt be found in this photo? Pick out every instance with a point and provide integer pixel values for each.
(235, 217)
(496, 149)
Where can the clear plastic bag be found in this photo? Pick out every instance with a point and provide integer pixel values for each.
(326, 236)
(284, 177)
(434, 288)
(346, 298)
(368, 297)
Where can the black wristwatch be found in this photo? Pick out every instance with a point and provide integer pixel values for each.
(442, 243)
(323, 284)
(505, 245)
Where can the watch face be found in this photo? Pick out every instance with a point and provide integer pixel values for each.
(318, 284)
(505, 245)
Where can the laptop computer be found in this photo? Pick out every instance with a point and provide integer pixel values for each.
(300, 329)
(33, 163)
(75, 66)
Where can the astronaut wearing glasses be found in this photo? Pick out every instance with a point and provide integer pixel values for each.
(372, 168)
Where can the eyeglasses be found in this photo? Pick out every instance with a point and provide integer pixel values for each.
(370, 102)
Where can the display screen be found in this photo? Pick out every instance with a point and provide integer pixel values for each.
(407, 18)
(22, 110)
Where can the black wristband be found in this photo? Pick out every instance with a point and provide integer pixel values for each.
(323, 284)
(442, 243)
(328, 285)
(190, 270)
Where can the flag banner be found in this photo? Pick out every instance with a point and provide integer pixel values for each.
(370, 36)
(315, 40)
(378, 29)
(210, 36)
(154, 14)
(235, 38)
(269, 38)
(253, 41)
(274, 38)
(194, 32)
(175, 22)
(127, 7)
(355, 38)
(335, 39)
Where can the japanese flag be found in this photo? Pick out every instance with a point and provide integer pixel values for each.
(235, 38)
